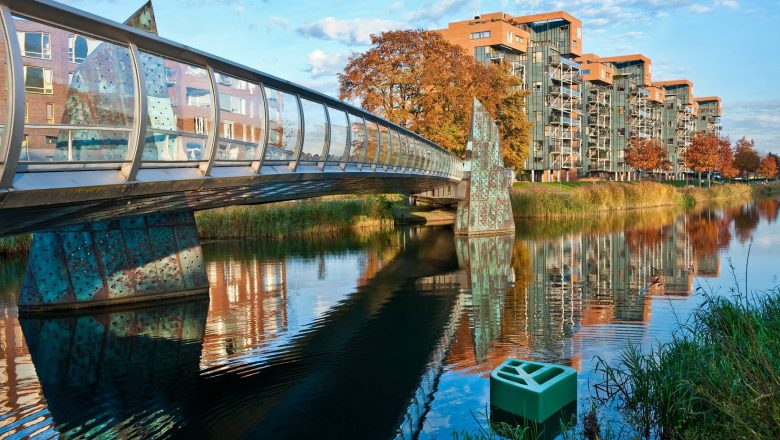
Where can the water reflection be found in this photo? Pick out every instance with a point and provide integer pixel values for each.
(376, 335)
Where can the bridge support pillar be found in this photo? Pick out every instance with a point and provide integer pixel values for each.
(134, 259)
(486, 208)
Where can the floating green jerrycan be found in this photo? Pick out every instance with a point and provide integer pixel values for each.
(532, 390)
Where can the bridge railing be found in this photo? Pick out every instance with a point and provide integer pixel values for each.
(82, 92)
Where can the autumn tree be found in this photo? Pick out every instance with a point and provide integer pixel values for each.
(704, 155)
(418, 80)
(645, 154)
(746, 158)
(767, 168)
(726, 169)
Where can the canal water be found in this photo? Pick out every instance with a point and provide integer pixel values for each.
(377, 335)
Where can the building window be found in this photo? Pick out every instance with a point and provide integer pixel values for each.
(621, 132)
(50, 113)
(38, 80)
(480, 35)
(232, 104)
(621, 110)
(51, 140)
(35, 45)
(200, 124)
(78, 49)
(227, 129)
(509, 38)
(586, 72)
(539, 117)
(198, 97)
(519, 39)
(538, 146)
(573, 43)
(538, 56)
(537, 87)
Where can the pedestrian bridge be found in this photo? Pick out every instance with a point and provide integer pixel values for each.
(111, 137)
(102, 120)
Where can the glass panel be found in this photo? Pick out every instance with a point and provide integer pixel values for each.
(316, 129)
(414, 155)
(74, 111)
(395, 150)
(179, 104)
(385, 147)
(284, 122)
(405, 153)
(241, 115)
(358, 138)
(373, 143)
(424, 155)
(3, 86)
(338, 135)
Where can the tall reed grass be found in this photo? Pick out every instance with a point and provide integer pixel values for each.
(534, 200)
(560, 201)
(719, 377)
(15, 244)
(299, 218)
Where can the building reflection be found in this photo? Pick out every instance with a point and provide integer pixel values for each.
(567, 285)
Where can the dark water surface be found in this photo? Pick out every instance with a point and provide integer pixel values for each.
(390, 334)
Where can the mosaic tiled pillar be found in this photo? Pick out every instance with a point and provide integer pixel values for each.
(142, 258)
(486, 209)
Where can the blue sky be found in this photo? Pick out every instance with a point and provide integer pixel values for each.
(726, 47)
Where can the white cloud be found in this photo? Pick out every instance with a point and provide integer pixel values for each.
(351, 31)
(699, 8)
(273, 23)
(758, 120)
(434, 10)
(322, 64)
(634, 35)
(602, 13)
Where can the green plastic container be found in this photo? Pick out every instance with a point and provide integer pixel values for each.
(532, 390)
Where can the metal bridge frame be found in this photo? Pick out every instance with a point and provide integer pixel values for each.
(442, 163)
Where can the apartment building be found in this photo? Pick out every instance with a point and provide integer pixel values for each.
(585, 109)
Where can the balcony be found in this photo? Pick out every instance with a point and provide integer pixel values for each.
(563, 120)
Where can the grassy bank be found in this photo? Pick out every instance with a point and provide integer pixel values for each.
(554, 200)
(15, 244)
(719, 377)
(300, 218)
(541, 200)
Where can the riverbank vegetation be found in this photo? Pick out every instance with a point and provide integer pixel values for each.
(719, 377)
(310, 217)
(554, 200)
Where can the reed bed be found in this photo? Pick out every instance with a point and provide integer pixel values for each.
(535, 200)
(314, 217)
(719, 377)
(15, 244)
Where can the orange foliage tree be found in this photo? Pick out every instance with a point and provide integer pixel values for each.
(767, 168)
(746, 158)
(727, 168)
(645, 154)
(418, 80)
(704, 155)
